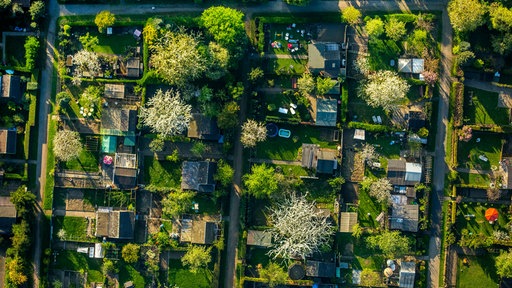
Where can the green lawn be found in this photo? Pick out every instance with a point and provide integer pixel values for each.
(482, 180)
(114, 44)
(128, 273)
(75, 227)
(71, 260)
(278, 34)
(484, 109)
(382, 52)
(279, 148)
(183, 278)
(87, 161)
(480, 272)
(162, 173)
(207, 204)
(382, 143)
(489, 145)
(287, 66)
(258, 256)
(367, 205)
(478, 224)
(15, 50)
(281, 100)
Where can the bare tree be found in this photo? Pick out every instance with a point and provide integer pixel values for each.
(252, 133)
(493, 194)
(166, 113)
(67, 145)
(298, 228)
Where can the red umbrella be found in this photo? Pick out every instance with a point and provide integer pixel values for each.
(290, 46)
(491, 214)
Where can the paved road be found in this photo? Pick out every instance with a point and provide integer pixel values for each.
(439, 158)
(274, 6)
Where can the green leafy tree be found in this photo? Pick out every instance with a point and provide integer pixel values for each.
(375, 27)
(130, 253)
(20, 238)
(256, 75)
(228, 116)
(23, 200)
(157, 144)
(88, 42)
(306, 84)
(395, 29)
(31, 50)
(336, 183)
(104, 19)
(5, 3)
(108, 267)
(36, 10)
(466, 15)
(224, 173)
(323, 85)
(502, 44)
(176, 203)
(197, 257)
(351, 15)
(274, 274)
(370, 278)
(218, 61)
(501, 17)
(176, 58)
(16, 275)
(504, 264)
(392, 243)
(226, 26)
(262, 181)
(199, 148)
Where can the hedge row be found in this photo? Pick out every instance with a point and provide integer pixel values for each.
(276, 119)
(457, 102)
(369, 127)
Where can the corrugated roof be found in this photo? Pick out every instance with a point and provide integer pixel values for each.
(326, 112)
(259, 238)
(198, 176)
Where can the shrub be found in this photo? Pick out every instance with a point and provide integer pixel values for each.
(31, 49)
(368, 127)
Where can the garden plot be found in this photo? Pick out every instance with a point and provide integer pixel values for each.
(483, 151)
(481, 108)
(75, 201)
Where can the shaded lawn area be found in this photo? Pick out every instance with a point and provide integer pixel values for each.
(128, 273)
(71, 260)
(95, 197)
(162, 173)
(365, 258)
(75, 227)
(381, 52)
(490, 146)
(475, 179)
(281, 100)
(291, 66)
(181, 277)
(481, 272)
(207, 204)
(484, 109)
(257, 256)
(279, 148)
(87, 161)
(479, 225)
(114, 44)
(15, 50)
(382, 141)
(320, 191)
(367, 205)
(293, 170)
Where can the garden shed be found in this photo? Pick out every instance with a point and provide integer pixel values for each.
(320, 269)
(259, 238)
(405, 173)
(7, 141)
(125, 170)
(414, 65)
(198, 231)
(118, 121)
(11, 88)
(347, 221)
(115, 91)
(198, 176)
(321, 159)
(407, 275)
(7, 215)
(133, 67)
(115, 224)
(203, 127)
(326, 112)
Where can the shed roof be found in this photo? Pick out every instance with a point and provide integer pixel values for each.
(198, 231)
(404, 217)
(401, 172)
(118, 121)
(198, 176)
(324, 57)
(407, 275)
(347, 221)
(259, 238)
(320, 269)
(11, 87)
(203, 127)
(414, 65)
(115, 91)
(133, 67)
(114, 224)
(7, 215)
(7, 141)
(326, 112)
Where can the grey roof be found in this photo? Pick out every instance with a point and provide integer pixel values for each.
(125, 170)
(323, 160)
(203, 127)
(7, 141)
(198, 176)
(259, 238)
(324, 57)
(414, 65)
(115, 91)
(133, 67)
(347, 221)
(407, 275)
(404, 217)
(326, 112)
(398, 174)
(114, 224)
(198, 231)
(309, 152)
(11, 87)
(116, 120)
(7, 215)
(320, 269)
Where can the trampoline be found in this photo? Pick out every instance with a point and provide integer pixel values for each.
(272, 130)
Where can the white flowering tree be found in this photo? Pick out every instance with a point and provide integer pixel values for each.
(176, 58)
(86, 62)
(381, 189)
(166, 113)
(368, 152)
(384, 89)
(298, 228)
(252, 133)
(67, 145)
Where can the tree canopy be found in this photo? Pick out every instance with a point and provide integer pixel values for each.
(104, 19)
(504, 264)
(252, 133)
(36, 10)
(176, 58)
(351, 15)
(228, 116)
(224, 173)
(67, 145)
(374, 27)
(298, 228)
(166, 113)
(262, 181)
(197, 257)
(384, 89)
(395, 29)
(466, 15)
(23, 200)
(501, 17)
(226, 26)
(176, 203)
(273, 274)
(130, 253)
(392, 243)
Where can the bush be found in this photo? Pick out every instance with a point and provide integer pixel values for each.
(31, 49)
(402, 17)
(368, 127)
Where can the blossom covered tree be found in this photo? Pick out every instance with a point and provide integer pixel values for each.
(252, 133)
(298, 228)
(67, 145)
(86, 62)
(384, 89)
(166, 113)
